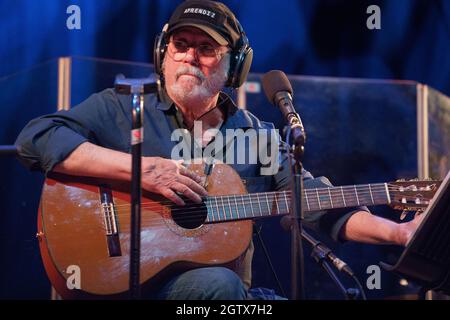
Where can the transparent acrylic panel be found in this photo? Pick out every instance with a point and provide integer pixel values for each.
(91, 75)
(23, 96)
(358, 131)
(439, 133)
(350, 122)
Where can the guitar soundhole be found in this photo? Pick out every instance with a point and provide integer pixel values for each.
(190, 216)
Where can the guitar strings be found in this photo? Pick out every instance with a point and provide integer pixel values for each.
(160, 222)
(311, 198)
(312, 193)
(189, 213)
(216, 209)
(309, 192)
(244, 199)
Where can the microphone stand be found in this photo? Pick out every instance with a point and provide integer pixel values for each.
(298, 135)
(137, 88)
(319, 254)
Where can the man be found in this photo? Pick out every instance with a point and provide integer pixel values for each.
(200, 49)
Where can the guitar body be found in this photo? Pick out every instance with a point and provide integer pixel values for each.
(73, 239)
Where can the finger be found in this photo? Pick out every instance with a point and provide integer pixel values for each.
(194, 186)
(190, 174)
(172, 196)
(187, 192)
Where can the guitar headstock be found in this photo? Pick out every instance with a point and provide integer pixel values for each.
(412, 195)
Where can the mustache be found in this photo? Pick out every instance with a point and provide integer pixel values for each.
(191, 71)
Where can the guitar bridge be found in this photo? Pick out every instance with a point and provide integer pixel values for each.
(111, 223)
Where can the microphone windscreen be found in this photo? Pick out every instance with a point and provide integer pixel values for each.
(275, 81)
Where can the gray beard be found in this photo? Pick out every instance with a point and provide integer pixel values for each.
(208, 88)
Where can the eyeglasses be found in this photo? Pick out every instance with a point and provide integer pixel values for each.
(206, 54)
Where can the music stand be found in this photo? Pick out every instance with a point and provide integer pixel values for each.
(426, 259)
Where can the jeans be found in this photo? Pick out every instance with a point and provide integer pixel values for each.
(211, 283)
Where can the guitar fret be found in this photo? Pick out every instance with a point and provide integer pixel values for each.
(251, 205)
(259, 204)
(269, 208)
(223, 206)
(356, 193)
(237, 209)
(365, 194)
(318, 199)
(306, 198)
(331, 199)
(285, 200)
(343, 197)
(276, 203)
(387, 193)
(371, 195)
(243, 203)
(229, 206)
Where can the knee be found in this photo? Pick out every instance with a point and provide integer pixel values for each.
(225, 285)
(211, 283)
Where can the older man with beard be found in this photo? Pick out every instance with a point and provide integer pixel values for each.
(200, 51)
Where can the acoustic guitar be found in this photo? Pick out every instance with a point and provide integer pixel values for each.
(84, 226)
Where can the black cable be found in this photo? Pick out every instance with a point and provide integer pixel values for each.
(266, 253)
(361, 289)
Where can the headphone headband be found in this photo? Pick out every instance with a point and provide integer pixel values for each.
(241, 57)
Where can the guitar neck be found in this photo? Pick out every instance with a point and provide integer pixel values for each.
(264, 204)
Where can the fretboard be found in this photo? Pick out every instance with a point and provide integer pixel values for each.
(256, 205)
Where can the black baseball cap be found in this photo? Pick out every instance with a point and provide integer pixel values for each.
(212, 17)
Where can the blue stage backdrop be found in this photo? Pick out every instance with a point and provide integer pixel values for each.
(309, 37)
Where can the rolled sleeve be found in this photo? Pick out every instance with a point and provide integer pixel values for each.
(55, 152)
(340, 220)
(48, 140)
(328, 222)
(42, 144)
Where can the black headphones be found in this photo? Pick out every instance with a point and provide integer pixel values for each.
(240, 57)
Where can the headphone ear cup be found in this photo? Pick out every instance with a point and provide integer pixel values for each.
(159, 51)
(240, 63)
(244, 67)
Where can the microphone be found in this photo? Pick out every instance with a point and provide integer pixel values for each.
(319, 248)
(279, 92)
